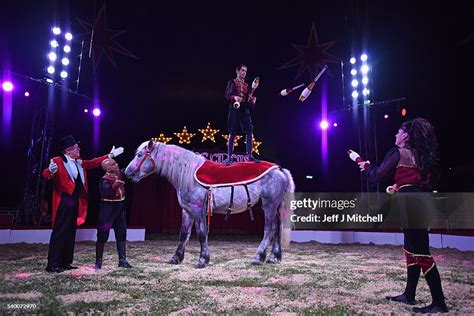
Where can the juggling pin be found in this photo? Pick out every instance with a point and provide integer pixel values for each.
(286, 92)
(255, 83)
(356, 157)
(307, 91)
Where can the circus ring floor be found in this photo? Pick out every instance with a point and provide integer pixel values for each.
(312, 278)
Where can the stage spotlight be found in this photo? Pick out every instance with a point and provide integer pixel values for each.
(363, 57)
(7, 86)
(68, 36)
(51, 70)
(335, 124)
(52, 56)
(96, 112)
(56, 30)
(352, 60)
(54, 43)
(67, 48)
(324, 124)
(365, 91)
(404, 112)
(63, 74)
(65, 61)
(353, 72)
(364, 69)
(86, 111)
(385, 116)
(355, 94)
(365, 80)
(355, 83)
(27, 94)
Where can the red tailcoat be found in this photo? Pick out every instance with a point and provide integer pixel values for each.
(64, 184)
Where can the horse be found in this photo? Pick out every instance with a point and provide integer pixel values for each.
(275, 189)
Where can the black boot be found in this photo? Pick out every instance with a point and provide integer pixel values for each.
(230, 150)
(121, 245)
(249, 148)
(434, 283)
(99, 254)
(408, 297)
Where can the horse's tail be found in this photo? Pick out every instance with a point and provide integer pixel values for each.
(286, 211)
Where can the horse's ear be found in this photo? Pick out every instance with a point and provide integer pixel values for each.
(150, 144)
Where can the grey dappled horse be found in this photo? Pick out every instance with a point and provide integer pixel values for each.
(178, 165)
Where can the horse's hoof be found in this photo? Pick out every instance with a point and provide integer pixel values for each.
(200, 265)
(256, 262)
(174, 260)
(272, 260)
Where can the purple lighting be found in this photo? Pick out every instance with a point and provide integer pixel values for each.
(324, 124)
(96, 112)
(7, 86)
(27, 94)
(335, 124)
(385, 116)
(86, 111)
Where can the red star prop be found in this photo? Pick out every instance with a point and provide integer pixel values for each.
(312, 57)
(103, 39)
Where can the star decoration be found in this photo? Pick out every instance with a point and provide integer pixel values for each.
(255, 145)
(103, 40)
(162, 139)
(184, 136)
(236, 139)
(208, 133)
(312, 57)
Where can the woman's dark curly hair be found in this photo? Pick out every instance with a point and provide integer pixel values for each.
(422, 141)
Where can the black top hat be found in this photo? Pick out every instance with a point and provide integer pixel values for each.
(66, 142)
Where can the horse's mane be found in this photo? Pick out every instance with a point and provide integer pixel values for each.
(175, 163)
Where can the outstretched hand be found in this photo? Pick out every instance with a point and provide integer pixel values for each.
(114, 152)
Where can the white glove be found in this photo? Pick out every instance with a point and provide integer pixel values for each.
(353, 155)
(53, 167)
(114, 152)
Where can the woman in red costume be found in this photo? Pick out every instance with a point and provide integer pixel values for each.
(412, 166)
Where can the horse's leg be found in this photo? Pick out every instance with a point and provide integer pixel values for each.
(201, 229)
(275, 255)
(184, 234)
(269, 208)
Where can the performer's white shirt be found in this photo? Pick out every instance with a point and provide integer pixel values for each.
(72, 166)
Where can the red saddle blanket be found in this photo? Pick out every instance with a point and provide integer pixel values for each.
(211, 173)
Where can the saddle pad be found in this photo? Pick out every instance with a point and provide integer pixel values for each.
(214, 174)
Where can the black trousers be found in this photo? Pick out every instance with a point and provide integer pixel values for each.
(416, 217)
(112, 215)
(63, 237)
(242, 116)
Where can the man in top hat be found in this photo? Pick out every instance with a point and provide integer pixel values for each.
(70, 196)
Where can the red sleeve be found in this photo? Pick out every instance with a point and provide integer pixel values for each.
(93, 163)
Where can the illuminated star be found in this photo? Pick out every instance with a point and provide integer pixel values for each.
(312, 57)
(236, 139)
(255, 145)
(184, 136)
(103, 40)
(208, 133)
(162, 139)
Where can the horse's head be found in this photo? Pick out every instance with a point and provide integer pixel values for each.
(143, 163)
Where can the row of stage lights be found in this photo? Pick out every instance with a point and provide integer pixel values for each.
(364, 79)
(60, 47)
